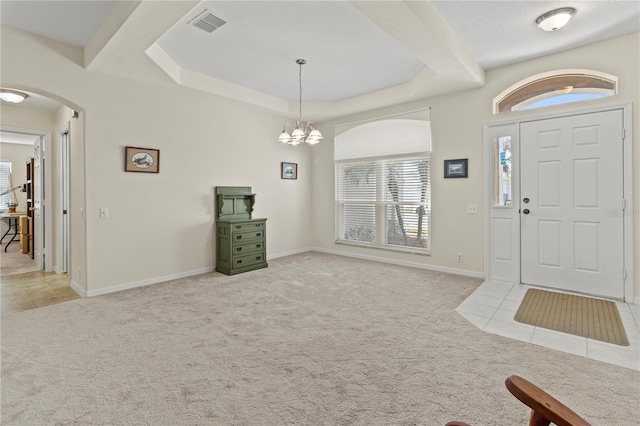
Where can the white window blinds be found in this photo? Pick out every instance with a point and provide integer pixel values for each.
(385, 203)
(383, 186)
(5, 173)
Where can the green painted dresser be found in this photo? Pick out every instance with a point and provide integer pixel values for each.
(240, 239)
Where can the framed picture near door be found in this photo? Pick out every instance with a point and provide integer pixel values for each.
(142, 160)
(456, 168)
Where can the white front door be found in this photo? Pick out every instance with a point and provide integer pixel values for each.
(571, 189)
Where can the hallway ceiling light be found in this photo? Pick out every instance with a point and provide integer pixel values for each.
(555, 19)
(12, 96)
(303, 132)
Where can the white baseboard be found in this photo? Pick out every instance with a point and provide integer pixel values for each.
(142, 283)
(289, 253)
(83, 293)
(76, 287)
(436, 268)
(156, 280)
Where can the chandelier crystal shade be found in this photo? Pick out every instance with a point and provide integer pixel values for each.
(303, 132)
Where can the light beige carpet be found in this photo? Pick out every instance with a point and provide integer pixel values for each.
(578, 315)
(314, 339)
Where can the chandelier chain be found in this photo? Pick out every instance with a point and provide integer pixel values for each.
(302, 132)
(300, 85)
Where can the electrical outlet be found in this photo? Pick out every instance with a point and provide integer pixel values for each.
(459, 257)
(78, 273)
(472, 208)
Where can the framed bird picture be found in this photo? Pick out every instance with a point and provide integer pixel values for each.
(142, 160)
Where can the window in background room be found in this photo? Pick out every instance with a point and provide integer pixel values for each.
(554, 88)
(5, 173)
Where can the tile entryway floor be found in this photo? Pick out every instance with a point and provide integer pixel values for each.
(33, 290)
(493, 305)
(23, 286)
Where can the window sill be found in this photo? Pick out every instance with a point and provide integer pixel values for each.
(408, 250)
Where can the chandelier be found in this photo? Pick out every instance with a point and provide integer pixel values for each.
(303, 132)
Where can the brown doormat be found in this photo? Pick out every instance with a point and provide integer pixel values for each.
(582, 316)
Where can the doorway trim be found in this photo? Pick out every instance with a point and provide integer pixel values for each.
(509, 269)
(63, 196)
(43, 245)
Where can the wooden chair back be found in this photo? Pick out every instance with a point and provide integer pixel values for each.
(545, 409)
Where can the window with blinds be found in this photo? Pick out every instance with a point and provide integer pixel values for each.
(5, 171)
(384, 203)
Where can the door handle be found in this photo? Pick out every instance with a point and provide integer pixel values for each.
(525, 211)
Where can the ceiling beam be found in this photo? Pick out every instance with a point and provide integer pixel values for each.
(119, 46)
(421, 30)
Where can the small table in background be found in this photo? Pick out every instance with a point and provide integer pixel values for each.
(12, 220)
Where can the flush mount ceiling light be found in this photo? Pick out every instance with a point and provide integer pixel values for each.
(555, 19)
(12, 96)
(303, 132)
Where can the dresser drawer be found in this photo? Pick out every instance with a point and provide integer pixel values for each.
(241, 246)
(241, 237)
(248, 259)
(249, 226)
(248, 247)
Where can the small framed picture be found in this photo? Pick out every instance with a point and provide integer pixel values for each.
(289, 170)
(143, 160)
(456, 168)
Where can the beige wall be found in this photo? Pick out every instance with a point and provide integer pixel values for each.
(457, 123)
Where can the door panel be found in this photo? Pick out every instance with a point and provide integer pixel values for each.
(572, 172)
(38, 227)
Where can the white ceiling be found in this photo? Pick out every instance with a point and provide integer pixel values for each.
(257, 47)
(18, 138)
(71, 22)
(360, 55)
(499, 33)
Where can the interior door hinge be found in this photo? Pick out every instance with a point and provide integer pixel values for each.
(624, 204)
(624, 274)
(624, 134)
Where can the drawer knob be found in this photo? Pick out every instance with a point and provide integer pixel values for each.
(239, 261)
(258, 257)
(238, 237)
(238, 248)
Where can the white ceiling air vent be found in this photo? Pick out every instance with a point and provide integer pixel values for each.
(207, 21)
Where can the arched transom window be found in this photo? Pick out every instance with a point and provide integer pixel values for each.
(553, 88)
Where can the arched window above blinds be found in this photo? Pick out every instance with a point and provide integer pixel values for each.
(555, 87)
(383, 185)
